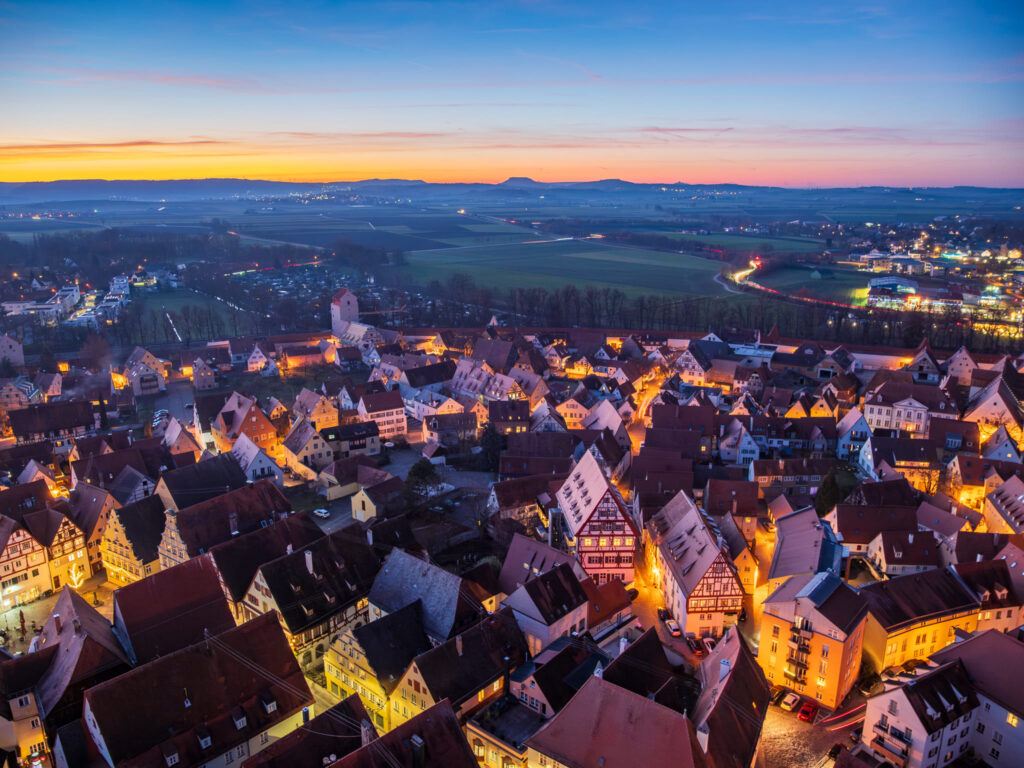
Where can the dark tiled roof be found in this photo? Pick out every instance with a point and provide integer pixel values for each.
(906, 600)
(218, 677)
(52, 417)
(143, 524)
(209, 523)
(171, 609)
(240, 557)
(443, 744)
(337, 731)
(392, 642)
(205, 480)
(326, 577)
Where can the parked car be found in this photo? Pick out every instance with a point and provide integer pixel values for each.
(632, 594)
(833, 753)
(663, 614)
(790, 701)
(808, 711)
(321, 513)
(855, 736)
(776, 693)
(743, 615)
(673, 628)
(695, 646)
(708, 643)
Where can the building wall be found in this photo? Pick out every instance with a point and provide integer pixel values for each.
(917, 641)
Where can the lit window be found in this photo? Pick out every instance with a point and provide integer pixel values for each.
(1011, 719)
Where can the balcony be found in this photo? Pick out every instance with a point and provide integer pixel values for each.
(895, 755)
(799, 645)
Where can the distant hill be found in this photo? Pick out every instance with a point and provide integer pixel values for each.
(516, 189)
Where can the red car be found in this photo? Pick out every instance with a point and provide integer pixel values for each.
(808, 711)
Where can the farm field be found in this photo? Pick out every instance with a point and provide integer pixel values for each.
(834, 285)
(551, 265)
(753, 242)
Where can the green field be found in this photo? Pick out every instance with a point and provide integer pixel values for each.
(754, 242)
(173, 301)
(551, 265)
(834, 285)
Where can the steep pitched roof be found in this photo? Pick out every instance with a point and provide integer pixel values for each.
(550, 596)
(223, 678)
(337, 731)
(392, 642)
(210, 522)
(461, 666)
(527, 558)
(205, 480)
(905, 600)
(441, 744)
(403, 578)
(171, 609)
(240, 557)
(588, 731)
(143, 523)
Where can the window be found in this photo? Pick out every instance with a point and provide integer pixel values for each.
(1011, 719)
(994, 753)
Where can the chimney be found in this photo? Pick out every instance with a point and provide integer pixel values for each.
(458, 644)
(723, 670)
(623, 644)
(77, 625)
(57, 622)
(233, 523)
(288, 549)
(978, 558)
(309, 562)
(366, 732)
(369, 536)
(910, 538)
(419, 751)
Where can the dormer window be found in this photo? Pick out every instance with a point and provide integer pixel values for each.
(239, 718)
(204, 738)
(269, 703)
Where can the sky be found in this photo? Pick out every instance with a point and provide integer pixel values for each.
(778, 93)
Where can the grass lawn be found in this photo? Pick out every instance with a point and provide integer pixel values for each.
(834, 285)
(551, 265)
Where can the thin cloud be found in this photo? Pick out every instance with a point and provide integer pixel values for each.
(87, 145)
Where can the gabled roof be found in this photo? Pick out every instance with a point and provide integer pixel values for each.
(143, 524)
(205, 687)
(204, 480)
(337, 731)
(588, 731)
(326, 577)
(905, 600)
(550, 596)
(216, 520)
(995, 663)
(528, 558)
(441, 740)
(88, 650)
(404, 578)
(240, 557)
(458, 668)
(52, 417)
(391, 643)
(170, 609)
(583, 490)
(859, 524)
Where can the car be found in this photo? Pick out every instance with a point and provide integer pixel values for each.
(632, 594)
(833, 753)
(743, 615)
(808, 711)
(855, 736)
(639, 625)
(673, 628)
(776, 693)
(790, 701)
(708, 643)
(663, 614)
(321, 513)
(698, 650)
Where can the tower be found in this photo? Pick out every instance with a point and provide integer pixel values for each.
(344, 310)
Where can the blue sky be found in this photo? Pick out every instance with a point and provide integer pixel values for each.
(772, 93)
